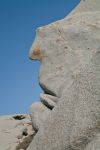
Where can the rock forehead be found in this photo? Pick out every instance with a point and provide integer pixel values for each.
(43, 32)
(87, 5)
(57, 38)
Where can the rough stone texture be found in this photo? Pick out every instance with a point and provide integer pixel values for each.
(15, 132)
(39, 113)
(48, 100)
(69, 51)
(95, 144)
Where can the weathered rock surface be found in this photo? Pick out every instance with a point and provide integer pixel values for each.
(15, 132)
(39, 113)
(48, 100)
(69, 51)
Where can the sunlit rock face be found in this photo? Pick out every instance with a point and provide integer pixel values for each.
(69, 51)
(16, 132)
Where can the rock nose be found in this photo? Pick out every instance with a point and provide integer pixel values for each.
(34, 52)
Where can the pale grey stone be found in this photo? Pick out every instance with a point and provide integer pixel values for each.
(39, 113)
(69, 51)
(95, 144)
(11, 132)
(48, 100)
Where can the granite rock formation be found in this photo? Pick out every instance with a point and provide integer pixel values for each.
(69, 51)
(16, 132)
(39, 112)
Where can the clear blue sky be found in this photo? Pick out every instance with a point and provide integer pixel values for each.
(19, 75)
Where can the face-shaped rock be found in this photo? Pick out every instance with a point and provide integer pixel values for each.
(69, 51)
(64, 48)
